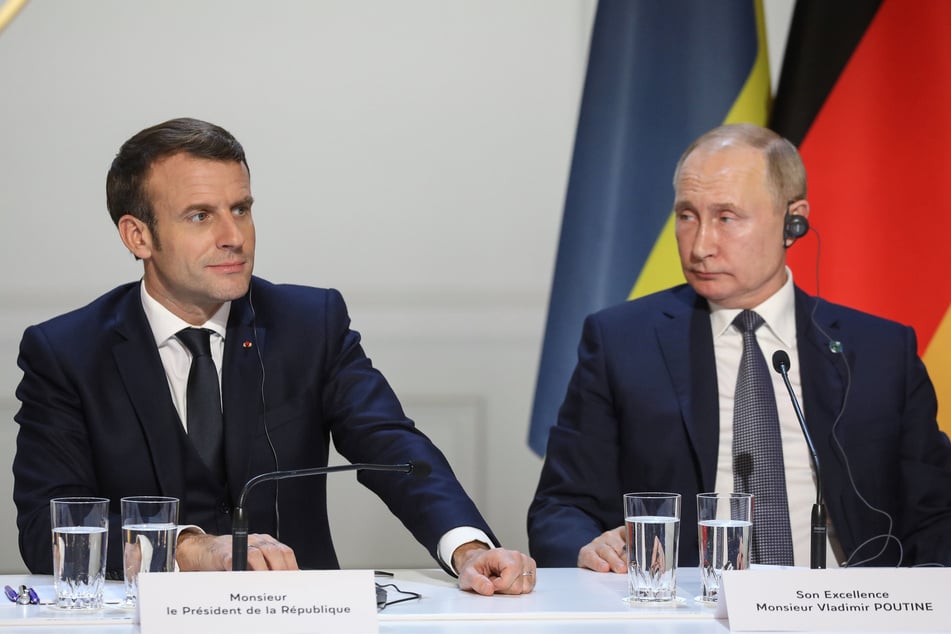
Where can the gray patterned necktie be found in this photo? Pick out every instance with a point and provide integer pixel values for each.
(758, 450)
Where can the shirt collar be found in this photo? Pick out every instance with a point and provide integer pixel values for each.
(164, 324)
(778, 311)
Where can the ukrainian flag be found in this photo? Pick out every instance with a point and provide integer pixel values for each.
(8, 11)
(660, 73)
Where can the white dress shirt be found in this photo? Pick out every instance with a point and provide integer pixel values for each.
(175, 356)
(778, 333)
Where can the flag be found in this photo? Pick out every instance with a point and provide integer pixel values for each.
(8, 11)
(865, 91)
(660, 73)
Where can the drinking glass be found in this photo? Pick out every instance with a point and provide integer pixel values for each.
(80, 531)
(149, 533)
(724, 526)
(653, 536)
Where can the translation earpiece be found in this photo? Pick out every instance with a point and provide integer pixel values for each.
(796, 226)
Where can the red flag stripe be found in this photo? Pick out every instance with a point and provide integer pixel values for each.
(878, 156)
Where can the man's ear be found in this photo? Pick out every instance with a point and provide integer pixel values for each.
(795, 223)
(800, 208)
(135, 236)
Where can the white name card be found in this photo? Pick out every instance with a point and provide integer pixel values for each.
(838, 600)
(282, 602)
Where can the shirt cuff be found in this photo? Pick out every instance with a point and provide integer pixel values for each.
(455, 538)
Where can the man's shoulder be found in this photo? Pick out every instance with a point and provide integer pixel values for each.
(827, 312)
(294, 305)
(98, 312)
(672, 301)
(263, 290)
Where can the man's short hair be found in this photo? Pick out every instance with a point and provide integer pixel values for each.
(785, 171)
(125, 184)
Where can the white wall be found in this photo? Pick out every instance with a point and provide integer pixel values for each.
(413, 154)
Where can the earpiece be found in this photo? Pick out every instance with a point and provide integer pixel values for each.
(796, 226)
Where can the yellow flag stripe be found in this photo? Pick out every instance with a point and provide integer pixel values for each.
(662, 269)
(937, 358)
(9, 10)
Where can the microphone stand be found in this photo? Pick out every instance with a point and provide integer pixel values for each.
(817, 543)
(239, 525)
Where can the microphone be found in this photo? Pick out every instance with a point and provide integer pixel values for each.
(239, 526)
(817, 546)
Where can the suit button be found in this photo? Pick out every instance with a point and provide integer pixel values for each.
(224, 509)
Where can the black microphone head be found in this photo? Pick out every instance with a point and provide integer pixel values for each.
(420, 468)
(781, 361)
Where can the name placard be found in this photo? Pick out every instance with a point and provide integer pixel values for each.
(839, 600)
(252, 602)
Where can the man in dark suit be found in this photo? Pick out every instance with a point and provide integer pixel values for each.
(105, 389)
(650, 404)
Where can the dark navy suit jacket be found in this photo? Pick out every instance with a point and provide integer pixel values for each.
(97, 419)
(642, 414)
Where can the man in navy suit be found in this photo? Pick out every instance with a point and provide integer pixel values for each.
(650, 404)
(104, 409)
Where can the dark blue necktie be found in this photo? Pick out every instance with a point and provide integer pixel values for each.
(203, 399)
(758, 450)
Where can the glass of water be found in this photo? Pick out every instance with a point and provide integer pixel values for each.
(725, 527)
(653, 537)
(80, 531)
(149, 533)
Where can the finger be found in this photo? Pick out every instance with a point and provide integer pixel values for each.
(589, 558)
(256, 560)
(523, 583)
(528, 578)
(524, 570)
(615, 549)
(491, 571)
(617, 558)
(509, 579)
(605, 553)
(614, 557)
(279, 556)
(266, 553)
(470, 579)
(266, 557)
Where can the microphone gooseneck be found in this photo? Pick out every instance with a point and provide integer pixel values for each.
(239, 526)
(817, 551)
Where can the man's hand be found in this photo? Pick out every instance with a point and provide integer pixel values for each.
(606, 553)
(197, 551)
(487, 571)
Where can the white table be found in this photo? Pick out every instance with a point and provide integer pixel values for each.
(565, 600)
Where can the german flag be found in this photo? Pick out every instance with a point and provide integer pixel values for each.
(865, 92)
(660, 73)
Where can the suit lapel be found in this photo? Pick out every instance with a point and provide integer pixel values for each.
(143, 376)
(686, 343)
(823, 373)
(241, 381)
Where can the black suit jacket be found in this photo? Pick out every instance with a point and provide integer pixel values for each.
(97, 419)
(642, 414)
